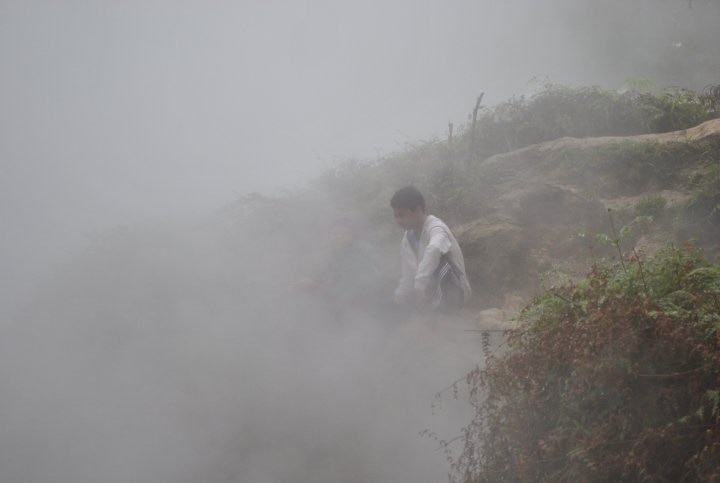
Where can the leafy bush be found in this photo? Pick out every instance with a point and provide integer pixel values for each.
(705, 202)
(615, 378)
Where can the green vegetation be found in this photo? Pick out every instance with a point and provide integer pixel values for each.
(559, 111)
(615, 378)
(705, 203)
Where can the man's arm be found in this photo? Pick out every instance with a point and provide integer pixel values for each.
(438, 244)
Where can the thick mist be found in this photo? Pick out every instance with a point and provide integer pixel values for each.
(175, 353)
(149, 337)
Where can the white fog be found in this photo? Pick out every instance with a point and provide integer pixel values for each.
(141, 341)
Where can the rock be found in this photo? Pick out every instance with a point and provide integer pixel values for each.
(494, 319)
(496, 257)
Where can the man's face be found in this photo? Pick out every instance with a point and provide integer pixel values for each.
(407, 218)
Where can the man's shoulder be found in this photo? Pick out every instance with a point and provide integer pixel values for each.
(435, 222)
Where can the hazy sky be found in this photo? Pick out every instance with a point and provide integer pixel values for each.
(117, 111)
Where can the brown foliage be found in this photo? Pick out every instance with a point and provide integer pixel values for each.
(616, 378)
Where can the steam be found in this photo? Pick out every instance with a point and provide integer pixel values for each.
(174, 350)
(164, 354)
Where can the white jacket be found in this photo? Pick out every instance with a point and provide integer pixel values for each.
(435, 240)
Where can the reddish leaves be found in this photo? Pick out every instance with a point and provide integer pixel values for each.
(615, 378)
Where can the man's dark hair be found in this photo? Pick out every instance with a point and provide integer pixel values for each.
(408, 197)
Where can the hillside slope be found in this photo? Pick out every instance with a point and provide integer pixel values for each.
(545, 204)
(527, 186)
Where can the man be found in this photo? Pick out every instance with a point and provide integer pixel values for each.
(433, 268)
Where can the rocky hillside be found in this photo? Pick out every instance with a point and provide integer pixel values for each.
(535, 188)
(552, 206)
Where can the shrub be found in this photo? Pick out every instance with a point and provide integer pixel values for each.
(615, 378)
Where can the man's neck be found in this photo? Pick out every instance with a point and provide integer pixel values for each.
(421, 223)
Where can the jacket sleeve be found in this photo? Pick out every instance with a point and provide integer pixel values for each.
(438, 244)
(407, 262)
